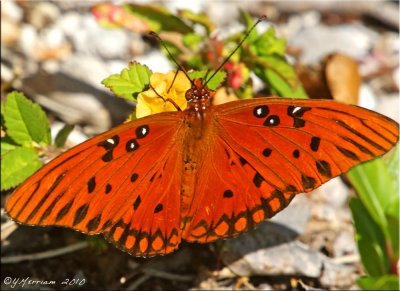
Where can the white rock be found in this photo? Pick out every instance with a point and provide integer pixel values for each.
(316, 42)
(11, 11)
(156, 61)
(29, 37)
(367, 98)
(90, 38)
(43, 13)
(344, 244)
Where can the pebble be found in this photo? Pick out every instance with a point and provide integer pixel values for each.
(112, 43)
(318, 41)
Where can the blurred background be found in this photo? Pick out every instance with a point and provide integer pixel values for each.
(58, 52)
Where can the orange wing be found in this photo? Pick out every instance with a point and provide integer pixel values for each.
(114, 183)
(266, 150)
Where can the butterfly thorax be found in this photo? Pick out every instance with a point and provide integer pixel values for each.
(199, 96)
(196, 143)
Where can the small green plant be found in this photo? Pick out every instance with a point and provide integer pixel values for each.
(376, 218)
(27, 136)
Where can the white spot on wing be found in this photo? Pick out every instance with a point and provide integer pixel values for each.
(296, 109)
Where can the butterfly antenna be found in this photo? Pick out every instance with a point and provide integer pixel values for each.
(152, 33)
(262, 18)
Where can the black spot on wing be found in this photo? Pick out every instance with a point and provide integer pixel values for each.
(272, 120)
(64, 211)
(93, 223)
(257, 180)
(91, 184)
(131, 145)
(266, 152)
(142, 131)
(314, 145)
(134, 177)
(158, 208)
(261, 111)
(80, 214)
(348, 153)
(228, 194)
(308, 182)
(324, 168)
(137, 202)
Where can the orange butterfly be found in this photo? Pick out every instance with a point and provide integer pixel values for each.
(201, 174)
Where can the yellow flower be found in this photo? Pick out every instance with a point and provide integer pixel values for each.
(149, 102)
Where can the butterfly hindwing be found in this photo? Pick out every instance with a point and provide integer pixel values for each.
(115, 179)
(227, 201)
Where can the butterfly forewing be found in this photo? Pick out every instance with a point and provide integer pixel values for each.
(112, 183)
(302, 144)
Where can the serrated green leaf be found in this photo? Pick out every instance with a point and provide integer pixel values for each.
(213, 83)
(25, 121)
(370, 240)
(17, 165)
(7, 144)
(130, 82)
(387, 282)
(62, 135)
(268, 44)
(158, 18)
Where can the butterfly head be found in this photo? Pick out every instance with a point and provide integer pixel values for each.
(199, 96)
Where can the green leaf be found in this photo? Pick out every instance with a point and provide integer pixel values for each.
(25, 121)
(393, 220)
(248, 21)
(17, 165)
(200, 18)
(158, 18)
(192, 40)
(98, 243)
(387, 282)
(370, 240)
(130, 82)
(7, 144)
(213, 83)
(375, 188)
(268, 44)
(280, 76)
(62, 135)
(392, 162)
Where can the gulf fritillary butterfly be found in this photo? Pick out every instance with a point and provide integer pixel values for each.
(201, 174)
